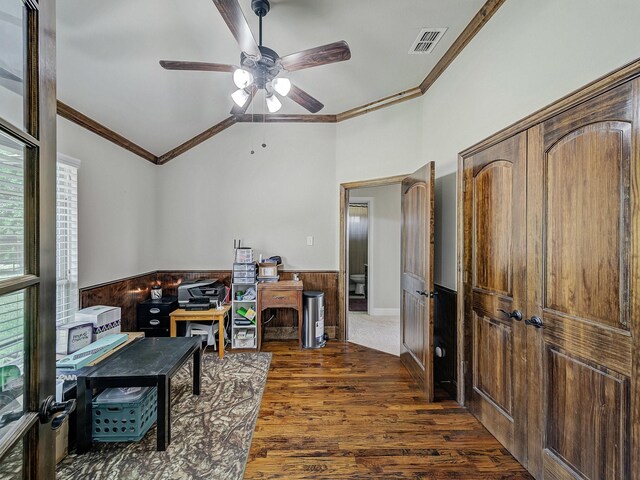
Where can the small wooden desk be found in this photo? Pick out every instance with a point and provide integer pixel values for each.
(283, 294)
(211, 315)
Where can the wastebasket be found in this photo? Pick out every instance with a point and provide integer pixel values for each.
(313, 319)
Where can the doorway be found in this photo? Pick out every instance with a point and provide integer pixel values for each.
(415, 344)
(358, 223)
(373, 267)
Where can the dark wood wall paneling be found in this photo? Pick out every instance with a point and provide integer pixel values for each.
(284, 318)
(127, 293)
(445, 337)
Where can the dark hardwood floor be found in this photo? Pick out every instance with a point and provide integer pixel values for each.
(349, 412)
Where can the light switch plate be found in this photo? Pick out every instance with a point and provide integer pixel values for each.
(310, 240)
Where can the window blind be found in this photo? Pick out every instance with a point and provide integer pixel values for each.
(66, 239)
(11, 250)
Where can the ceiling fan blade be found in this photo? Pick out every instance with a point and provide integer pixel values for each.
(4, 73)
(331, 53)
(236, 110)
(237, 23)
(303, 98)
(201, 66)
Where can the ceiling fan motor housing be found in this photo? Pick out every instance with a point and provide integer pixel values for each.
(265, 69)
(260, 7)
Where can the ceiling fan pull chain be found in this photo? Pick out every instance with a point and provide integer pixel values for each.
(252, 139)
(264, 124)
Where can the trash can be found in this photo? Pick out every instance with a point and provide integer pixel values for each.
(313, 319)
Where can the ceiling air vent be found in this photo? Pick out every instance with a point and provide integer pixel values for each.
(427, 40)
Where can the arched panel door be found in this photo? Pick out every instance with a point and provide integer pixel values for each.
(495, 216)
(416, 295)
(584, 264)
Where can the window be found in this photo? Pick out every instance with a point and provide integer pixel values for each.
(66, 239)
(12, 264)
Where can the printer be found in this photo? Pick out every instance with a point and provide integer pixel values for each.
(200, 290)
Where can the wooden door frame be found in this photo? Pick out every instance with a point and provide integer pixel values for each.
(369, 201)
(343, 285)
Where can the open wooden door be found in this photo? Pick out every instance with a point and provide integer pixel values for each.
(416, 282)
(27, 239)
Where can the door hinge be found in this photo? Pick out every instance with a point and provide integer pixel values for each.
(464, 186)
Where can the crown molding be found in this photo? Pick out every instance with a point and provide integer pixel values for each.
(197, 140)
(475, 25)
(73, 115)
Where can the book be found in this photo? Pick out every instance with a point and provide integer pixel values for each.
(82, 357)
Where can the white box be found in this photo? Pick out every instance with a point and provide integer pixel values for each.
(99, 315)
(106, 329)
(62, 441)
(73, 336)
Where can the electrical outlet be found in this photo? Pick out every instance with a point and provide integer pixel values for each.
(310, 240)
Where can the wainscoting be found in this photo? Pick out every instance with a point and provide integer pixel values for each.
(445, 337)
(128, 292)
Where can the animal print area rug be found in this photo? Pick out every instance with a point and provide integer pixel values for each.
(210, 433)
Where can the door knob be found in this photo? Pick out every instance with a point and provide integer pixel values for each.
(426, 294)
(516, 314)
(50, 407)
(535, 321)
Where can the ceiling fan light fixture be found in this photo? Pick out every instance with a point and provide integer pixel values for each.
(282, 85)
(240, 97)
(273, 104)
(242, 78)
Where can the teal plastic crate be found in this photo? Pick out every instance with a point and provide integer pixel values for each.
(124, 418)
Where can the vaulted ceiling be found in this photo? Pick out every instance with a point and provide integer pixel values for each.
(108, 53)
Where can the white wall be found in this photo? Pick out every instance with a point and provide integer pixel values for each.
(384, 259)
(380, 144)
(271, 200)
(116, 195)
(444, 271)
(530, 54)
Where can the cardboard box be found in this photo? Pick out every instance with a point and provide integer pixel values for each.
(106, 329)
(267, 269)
(99, 315)
(62, 440)
(73, 336)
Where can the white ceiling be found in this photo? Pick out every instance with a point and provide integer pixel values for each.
(108, 53)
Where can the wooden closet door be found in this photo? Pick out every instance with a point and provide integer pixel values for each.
(495, 232)
(583, 293)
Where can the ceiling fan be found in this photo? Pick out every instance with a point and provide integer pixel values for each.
(261, 67)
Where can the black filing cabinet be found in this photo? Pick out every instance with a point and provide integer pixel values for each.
(153, 316)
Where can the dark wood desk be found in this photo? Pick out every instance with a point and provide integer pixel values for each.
(147, 362)
(283, 294)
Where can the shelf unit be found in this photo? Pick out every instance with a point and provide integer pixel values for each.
(243, 278)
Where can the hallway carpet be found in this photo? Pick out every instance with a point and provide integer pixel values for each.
(377, 332)
(210, 433)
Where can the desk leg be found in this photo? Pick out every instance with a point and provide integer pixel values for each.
(299, 309)
(164, 412)
(84, 420)
(259, 324)
(172, 327)
(221, 336)
(197, 371)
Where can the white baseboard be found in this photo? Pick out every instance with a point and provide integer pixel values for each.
(387, 312)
